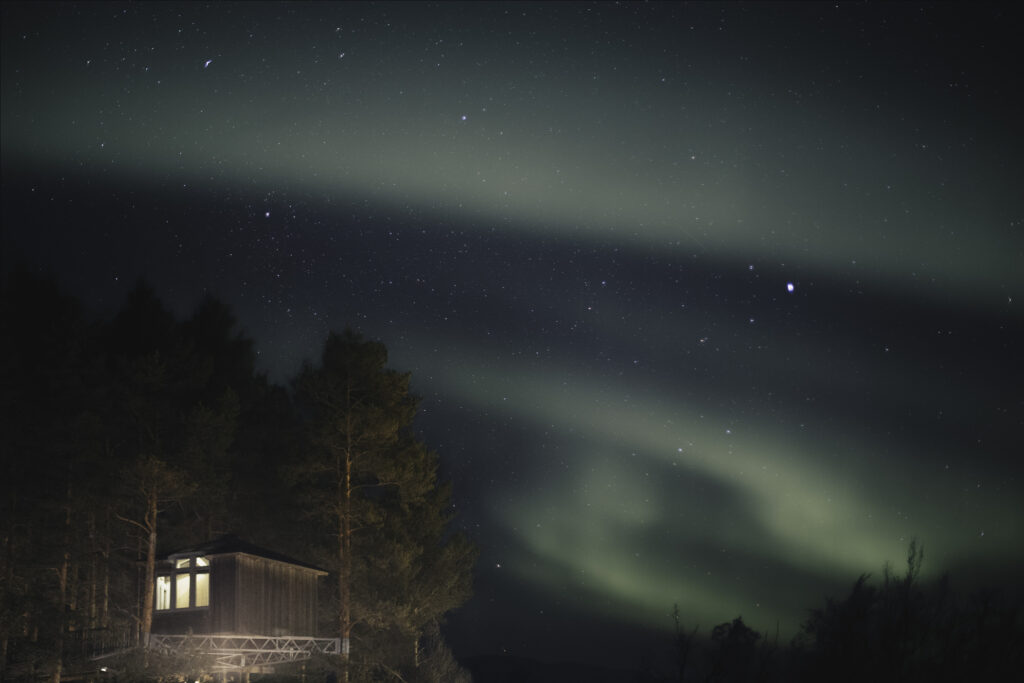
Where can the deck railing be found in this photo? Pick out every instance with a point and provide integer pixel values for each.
(232, 653)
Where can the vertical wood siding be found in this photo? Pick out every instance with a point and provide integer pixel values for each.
(274, 598)
(250, 595)
(223, 589)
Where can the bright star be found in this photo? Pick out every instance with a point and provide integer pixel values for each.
(790, 287)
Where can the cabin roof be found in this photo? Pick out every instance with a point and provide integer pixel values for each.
(229, 544)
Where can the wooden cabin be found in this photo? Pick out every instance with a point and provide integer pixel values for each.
(230, 587)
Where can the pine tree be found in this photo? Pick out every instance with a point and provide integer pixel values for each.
(172, 425)
(373, 484)
(43, 372)
(102, 421)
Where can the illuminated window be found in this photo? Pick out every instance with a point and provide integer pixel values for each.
(202, 589)
(190, 587)
(163, 592)
(182, 590)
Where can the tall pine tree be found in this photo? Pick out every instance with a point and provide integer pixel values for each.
(373, 486)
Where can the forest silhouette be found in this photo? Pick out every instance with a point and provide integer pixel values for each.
(127, 438)
(898, 628)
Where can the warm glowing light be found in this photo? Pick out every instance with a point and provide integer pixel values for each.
(183, 583)
(163, 592)
(202, 590)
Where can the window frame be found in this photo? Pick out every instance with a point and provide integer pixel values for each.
(187, 568)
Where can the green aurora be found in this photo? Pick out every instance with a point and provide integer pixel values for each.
(575, 225)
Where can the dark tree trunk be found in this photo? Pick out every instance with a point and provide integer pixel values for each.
(149, 580)
(62, 591)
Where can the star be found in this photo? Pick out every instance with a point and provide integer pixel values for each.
(476, 287)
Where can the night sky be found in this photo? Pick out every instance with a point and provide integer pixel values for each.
(715, 304)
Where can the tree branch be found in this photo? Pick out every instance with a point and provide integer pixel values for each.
(132, 521)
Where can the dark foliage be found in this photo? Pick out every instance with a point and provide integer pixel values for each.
(900, 629)
(127, 438)
(903, 630)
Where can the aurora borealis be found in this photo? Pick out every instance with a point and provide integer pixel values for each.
(576, 224)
